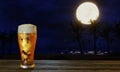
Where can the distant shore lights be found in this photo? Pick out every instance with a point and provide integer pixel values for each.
(87, 12)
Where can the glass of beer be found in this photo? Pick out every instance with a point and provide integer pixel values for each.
(27, 34)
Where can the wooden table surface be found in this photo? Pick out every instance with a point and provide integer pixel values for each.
(63, 66)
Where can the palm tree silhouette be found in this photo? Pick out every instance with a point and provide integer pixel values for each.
(3, 40)
(77, 30)
(117, 30)
(93, 30)
(106, 34)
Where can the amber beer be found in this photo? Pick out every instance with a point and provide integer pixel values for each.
(27, 41)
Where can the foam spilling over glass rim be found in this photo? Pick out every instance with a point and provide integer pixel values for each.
(26, 28)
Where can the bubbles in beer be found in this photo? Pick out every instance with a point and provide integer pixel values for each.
(26, 45)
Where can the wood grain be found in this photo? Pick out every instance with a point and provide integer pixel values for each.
(63, 66)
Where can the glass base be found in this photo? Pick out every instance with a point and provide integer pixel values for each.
(27, 66)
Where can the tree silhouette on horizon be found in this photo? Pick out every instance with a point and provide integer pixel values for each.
(77, 31)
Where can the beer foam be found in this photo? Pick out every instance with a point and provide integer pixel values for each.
(27, 28)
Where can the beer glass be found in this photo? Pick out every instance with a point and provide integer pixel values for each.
(27, 35)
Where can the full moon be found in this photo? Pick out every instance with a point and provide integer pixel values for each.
(87, 12)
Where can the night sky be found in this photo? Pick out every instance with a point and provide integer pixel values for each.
(53, 19)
